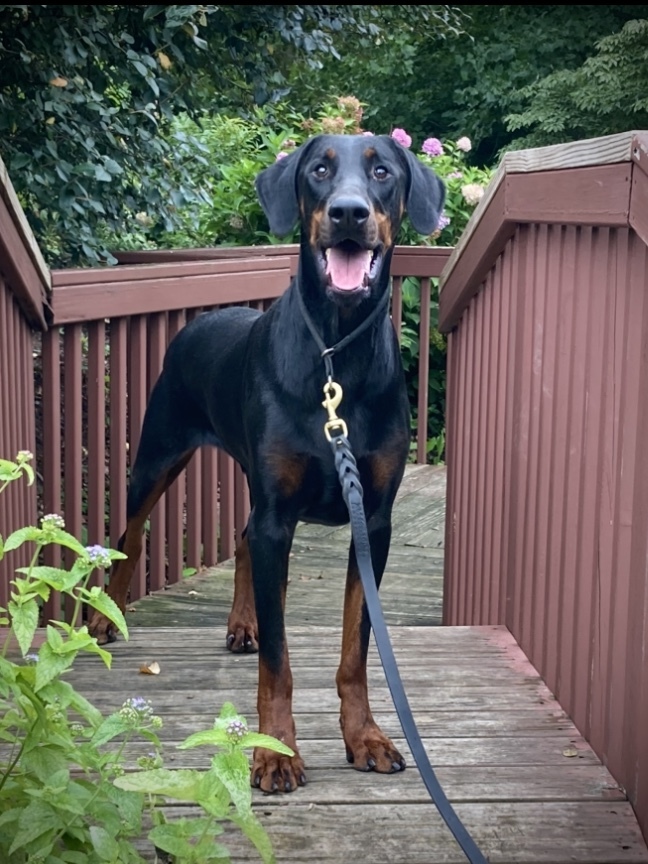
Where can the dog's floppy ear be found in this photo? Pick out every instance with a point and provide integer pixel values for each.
(277, 190)
(425, 194)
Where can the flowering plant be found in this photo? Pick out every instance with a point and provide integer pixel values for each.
(61, 760)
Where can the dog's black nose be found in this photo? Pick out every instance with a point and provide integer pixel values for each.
(348, 211)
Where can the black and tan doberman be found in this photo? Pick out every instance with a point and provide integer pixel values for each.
(251, 384)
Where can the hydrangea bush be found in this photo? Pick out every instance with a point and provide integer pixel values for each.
(65, 795)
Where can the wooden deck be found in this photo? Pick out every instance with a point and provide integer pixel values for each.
(526, 784)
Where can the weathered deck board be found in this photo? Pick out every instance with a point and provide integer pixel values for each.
(528, 786)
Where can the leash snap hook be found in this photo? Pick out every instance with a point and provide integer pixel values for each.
(332, 398)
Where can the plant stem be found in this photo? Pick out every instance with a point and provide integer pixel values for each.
(78, 601)
(15, 761)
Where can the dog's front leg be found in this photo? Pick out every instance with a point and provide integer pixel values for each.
(270, 538)
(367, 748)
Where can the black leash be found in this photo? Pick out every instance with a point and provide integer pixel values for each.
(349, 476)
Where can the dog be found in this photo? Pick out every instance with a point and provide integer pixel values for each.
(251, 383)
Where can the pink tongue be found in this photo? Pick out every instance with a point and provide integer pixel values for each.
(347, 269)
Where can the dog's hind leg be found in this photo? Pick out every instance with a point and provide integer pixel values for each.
(242, 630)
(167, 443)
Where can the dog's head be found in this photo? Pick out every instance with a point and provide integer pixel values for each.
(349, 194)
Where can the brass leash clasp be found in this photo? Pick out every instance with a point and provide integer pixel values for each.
(332, 398)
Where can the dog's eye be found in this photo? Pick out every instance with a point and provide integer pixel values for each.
(321, 171)
(380, 172)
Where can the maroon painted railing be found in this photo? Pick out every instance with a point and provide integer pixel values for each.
(100, 361)
(24, 280)
(545, 302)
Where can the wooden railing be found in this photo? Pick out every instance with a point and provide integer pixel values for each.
(100, 360)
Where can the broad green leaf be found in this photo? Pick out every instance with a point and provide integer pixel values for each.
(44, 762)
(258, 739)
(111, 727)
(24, 620)
(22, 535)
(213, 737)
(173, 837)
(54, 638)
(182, 783)
(219, 737)
(233, 770)
(50, 665)
(103, 844)
(56, 578)
(36, 820)
(256, 833)
(107, 606)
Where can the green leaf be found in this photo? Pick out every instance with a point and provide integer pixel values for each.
(22, 535)
(44, 762)
(173, 837)
(103, 844)
(233, 770)
(83, 707)
(57, 578)
(184, 784)
(36, 820)
(258, 739)
(24, 620)
(50, 665)
(101, 174)
(107, 606)
(111, 727)
(218, 737)
(256, 833)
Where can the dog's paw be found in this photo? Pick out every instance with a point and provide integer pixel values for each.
(102, 629)
(242, 638)
(272, 772)
(367, 749)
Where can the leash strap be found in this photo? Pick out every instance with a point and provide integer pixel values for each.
(349, 476)
(352, 493)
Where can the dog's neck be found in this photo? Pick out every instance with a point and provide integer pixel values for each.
(335, 320)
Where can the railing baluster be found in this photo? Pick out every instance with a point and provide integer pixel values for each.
(423, 372)
(73, 422)
(157, 535)
(51, 384)
(96, 395)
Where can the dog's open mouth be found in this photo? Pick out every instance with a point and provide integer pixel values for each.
(350, 267)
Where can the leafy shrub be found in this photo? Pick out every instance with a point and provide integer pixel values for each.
(64, 795)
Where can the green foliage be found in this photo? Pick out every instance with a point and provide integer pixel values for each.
(88, 93)
(61, 762)
(225, 784)
(436, 80)
(607, 94)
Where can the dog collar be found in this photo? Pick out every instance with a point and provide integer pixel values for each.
(327, 353)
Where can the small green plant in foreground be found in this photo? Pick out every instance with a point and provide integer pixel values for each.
(65, 796)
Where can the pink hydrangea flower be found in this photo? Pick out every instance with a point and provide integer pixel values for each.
(402, 137)
(432, 147)
(454, 175)
(281, 155)
(444, 221)
(368, 133)
(464, 144)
